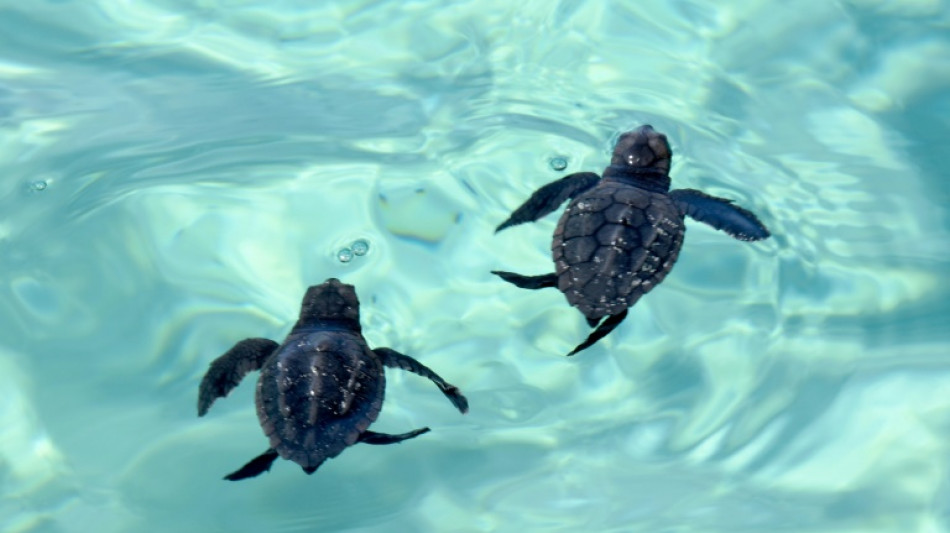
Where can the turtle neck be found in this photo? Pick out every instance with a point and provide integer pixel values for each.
(650, 179)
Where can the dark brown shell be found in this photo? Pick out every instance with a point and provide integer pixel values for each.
(318, 393)
(613, 244)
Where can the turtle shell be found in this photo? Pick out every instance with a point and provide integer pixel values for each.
(613, 244)
(318, 393)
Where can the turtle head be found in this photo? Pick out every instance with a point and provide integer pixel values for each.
(642, 149)
(331, 300)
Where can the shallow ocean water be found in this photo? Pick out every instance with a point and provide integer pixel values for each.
(174, 174)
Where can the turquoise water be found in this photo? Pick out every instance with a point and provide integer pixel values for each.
(174, 174)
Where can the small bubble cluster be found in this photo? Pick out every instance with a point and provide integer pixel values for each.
(558, 163)
(359, 247)
(38, 185)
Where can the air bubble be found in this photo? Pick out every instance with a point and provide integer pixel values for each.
(558, 163)
(38, 185)
(360, 247)
(345, 255)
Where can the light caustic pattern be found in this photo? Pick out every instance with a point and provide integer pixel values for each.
(173, 175)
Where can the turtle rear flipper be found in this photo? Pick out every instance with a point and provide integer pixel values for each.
(226, 371)
(255, 467)
(720, 213)
(371, 437)
(528, 282)
(602, 330)
(548, 198)
(394, 359)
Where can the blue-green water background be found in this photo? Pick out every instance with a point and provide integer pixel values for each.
(173, 174)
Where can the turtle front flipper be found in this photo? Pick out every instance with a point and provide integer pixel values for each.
(394, 359)
(550, 197)
(720, 213)
(226, 371)
(255, 467)
(602, 330)
(371, 437)
(528, 282)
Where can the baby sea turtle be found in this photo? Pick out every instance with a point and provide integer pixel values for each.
(319, 391)
(621, 233)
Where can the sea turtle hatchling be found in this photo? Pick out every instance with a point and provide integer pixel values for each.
(621, 233)
(319, 391)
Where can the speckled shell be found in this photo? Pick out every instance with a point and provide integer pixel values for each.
(613, 244)
(318, 393)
